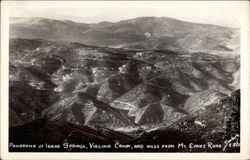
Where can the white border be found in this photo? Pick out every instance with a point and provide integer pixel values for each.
(243, 7)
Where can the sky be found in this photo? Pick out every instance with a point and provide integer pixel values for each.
(212, 12)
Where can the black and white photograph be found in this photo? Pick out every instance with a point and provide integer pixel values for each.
(163, 79)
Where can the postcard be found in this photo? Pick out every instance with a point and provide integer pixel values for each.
(124, 80)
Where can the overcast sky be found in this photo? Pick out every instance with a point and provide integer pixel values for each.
(212, 12)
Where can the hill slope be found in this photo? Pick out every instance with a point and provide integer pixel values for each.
(83, 84)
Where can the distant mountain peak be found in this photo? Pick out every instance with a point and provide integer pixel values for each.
(163, 33)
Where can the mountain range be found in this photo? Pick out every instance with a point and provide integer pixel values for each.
(139, 33)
